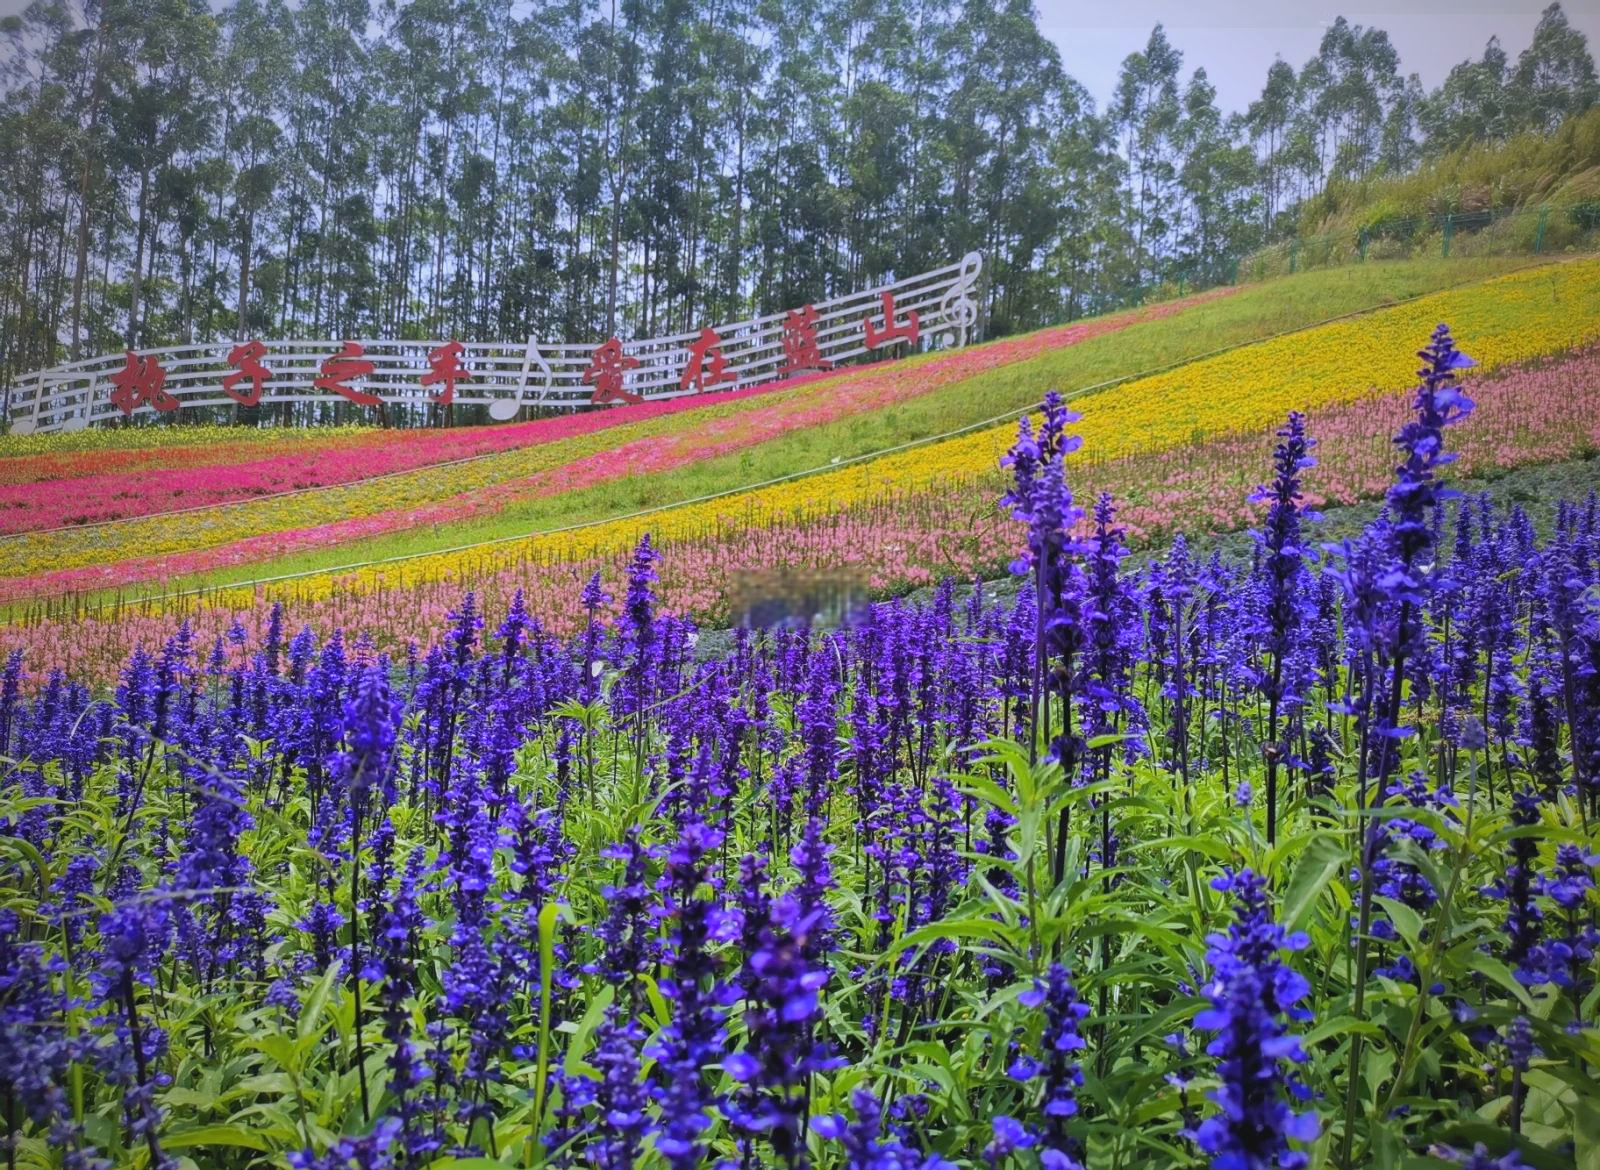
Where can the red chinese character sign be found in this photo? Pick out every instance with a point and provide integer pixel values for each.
(931, 309)
(608, 367)
(141, 382)
(445, 368)
(707, 366)
(891, 331)
(343, 367)
(800, 348)
(246, 362)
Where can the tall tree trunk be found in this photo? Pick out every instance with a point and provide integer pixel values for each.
(136, 281)
(246, 248)
(80, 268)
(735, 291)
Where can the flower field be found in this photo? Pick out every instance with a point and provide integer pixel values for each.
(1281, 863)
(152, 482)
(907, 519)
(581, 466)
(543, 475)
(1514, 319)
(145, 481)
(1541, 412)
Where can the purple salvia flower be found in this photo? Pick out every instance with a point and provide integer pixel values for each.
(1282, 562)
(1524, 923)
(639, 633)
(1412, 499)
(1008, 1135)
(10, 688)
(512, 634)
(866, 1147)
(810, 860)
(38, 1050)
(782, 989)
(595, 599)
(1252, 994)
(627, 949)
(1056, 1064)
(620, 1098)
(1568, 957)
(376, 1151)
(692, 1040)
(370, 726)
(818, 717)
(133, 937)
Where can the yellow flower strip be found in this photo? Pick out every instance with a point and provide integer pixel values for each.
(159, 534)
(484, 484)
(1504, 320)
(159, 436)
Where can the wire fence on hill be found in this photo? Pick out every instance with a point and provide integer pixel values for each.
(1525, 231)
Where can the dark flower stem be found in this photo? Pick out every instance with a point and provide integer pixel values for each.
(1272, 751)
(355, 962)
(136, 1037)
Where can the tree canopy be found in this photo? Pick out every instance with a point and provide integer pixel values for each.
(494, 168)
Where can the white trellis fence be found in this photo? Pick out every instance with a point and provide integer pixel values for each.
(934, 307)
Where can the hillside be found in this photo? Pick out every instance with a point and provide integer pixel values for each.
(544, 475)
(1534, 194)
(1560, 170)
(1179, 402)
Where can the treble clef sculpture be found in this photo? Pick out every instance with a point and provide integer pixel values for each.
(958, 312)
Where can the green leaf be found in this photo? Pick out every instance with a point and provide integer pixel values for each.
(1407, 922)
(920, 1074)
(32, 856)
(988, 790)
(1586, 1134)
(658, 1003)
(311, 1022)
(1496, 970)
(983, 928)
(1323, 860)
(547, 966)
(262, 1084)
(1340, 1026)
(215, 1135)
(1386, 1142)
(579, 1044)
(188, 1098)
(1206, 846)
(277, 1047)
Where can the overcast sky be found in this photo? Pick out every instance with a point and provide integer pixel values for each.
(1236, 40)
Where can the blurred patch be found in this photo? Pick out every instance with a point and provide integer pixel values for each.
(779, 598)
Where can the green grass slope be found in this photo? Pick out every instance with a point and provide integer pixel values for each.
(1249, 314)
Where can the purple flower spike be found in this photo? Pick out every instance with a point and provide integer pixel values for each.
(1252, 993)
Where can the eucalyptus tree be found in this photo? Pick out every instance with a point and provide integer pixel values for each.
(259, 37)
(1267, 123)
(1220, 217)
(1472, 104)
(1147, 110)
(1347, 88)
(1555, 75)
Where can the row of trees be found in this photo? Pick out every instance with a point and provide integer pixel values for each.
(577, 168)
